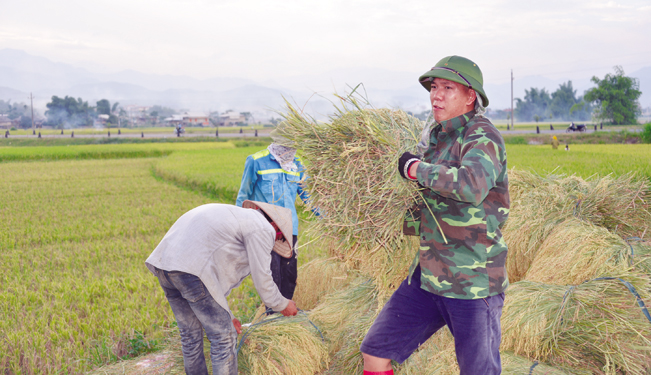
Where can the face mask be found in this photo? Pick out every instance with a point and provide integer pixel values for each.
(280, 236)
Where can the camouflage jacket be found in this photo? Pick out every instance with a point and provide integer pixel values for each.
(466, 190)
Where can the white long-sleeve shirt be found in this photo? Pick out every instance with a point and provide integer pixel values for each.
(221, 244)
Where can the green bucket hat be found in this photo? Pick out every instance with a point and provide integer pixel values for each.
(457, 69)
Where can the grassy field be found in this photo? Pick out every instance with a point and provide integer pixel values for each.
(584, 160)
(75, 234)
(109, 151)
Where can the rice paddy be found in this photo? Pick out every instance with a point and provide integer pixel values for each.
(78, 222)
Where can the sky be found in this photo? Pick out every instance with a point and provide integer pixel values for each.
(273, 40)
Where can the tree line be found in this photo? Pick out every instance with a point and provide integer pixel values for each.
(18, 111)
(614, 100)
(68, 112)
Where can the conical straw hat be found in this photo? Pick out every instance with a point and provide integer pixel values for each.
(283, 218)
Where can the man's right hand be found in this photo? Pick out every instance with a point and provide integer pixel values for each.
(290, 310)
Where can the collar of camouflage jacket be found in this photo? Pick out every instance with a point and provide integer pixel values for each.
(449, 126)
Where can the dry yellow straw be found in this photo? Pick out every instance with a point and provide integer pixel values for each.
(596, 326)
(285, 346)
(353, 181)
(576, 251)
(318, 278)
(539, 204)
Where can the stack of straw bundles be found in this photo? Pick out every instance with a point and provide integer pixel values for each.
(353, 181)
(538, 204)
(596, 325)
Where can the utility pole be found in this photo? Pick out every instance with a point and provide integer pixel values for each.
(31, 100)
(512, 99)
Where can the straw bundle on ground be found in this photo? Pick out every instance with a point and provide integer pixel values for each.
(348, 359)
(576, 251)
(435, 357)
(318, 278)
(517, 365)
(337, 312)
(596, 326)
(353, 181)
(641, 254)
(284, 346)
(539, 204)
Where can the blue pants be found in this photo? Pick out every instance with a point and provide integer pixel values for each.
(195, 311)
(412, 315)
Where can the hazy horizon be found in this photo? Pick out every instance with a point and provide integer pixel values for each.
(262, 41)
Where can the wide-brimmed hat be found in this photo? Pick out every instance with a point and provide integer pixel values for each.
(457, 69)
(283, 218)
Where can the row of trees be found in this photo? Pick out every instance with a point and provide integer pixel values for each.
(562, 104)
(614, 101)
(15, 111)
(70, 112)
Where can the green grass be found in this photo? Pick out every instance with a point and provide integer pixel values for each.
(74, 237)
(75, 234)
(599, 137)
(584, 160)
(108, 151)
(217, 173)
(58, 141)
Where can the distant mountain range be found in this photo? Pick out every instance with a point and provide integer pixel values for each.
(22, 73)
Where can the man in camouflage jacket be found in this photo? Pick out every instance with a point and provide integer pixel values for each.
(459, 276)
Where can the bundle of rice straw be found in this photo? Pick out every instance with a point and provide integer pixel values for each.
(576, 251)
(596, 326)
(640, 254)
(337, 313)
(434, 357)
(539, 204)
(348, 359)
(318, 278)
(354, 183)
(517, 365)
(284, 346)
(437, 357)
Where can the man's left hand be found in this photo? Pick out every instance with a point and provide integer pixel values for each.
(238, 326)
(405, 163)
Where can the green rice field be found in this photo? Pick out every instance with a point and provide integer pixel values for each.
(77, 223)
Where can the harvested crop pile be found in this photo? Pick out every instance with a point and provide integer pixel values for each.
(318, 278)
(597, 325)
(517, 365)
(576, 251)
(539, 204)
(353, 181)
(283, 346)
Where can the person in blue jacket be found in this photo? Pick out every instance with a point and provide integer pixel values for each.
(274, 175)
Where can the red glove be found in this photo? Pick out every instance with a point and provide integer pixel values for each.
(238, 326)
